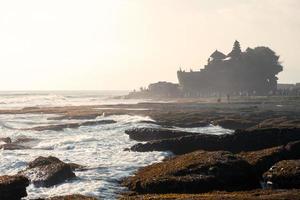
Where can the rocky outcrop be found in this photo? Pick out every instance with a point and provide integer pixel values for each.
(5, 140)
(279, 122)
(262, 160)
(284, 174)
(195, 172)
(148, 134)
(245, 195)
(182, 119)
(13, 187)
(12, 146)
(47, 171)
(232, 123)
(240, 140)
(60, 127)
(17, 144)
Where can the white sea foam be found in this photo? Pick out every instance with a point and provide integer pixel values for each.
(99, 148)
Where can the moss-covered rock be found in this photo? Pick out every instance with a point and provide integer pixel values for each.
(47, 171)
(245, 195)
(284, 174)
(195, 172)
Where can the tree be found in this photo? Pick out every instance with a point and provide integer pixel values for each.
(261, 64)
(236, 50)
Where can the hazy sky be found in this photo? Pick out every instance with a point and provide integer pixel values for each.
(124, 44)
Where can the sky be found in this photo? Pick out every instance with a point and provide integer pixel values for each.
(125, 44)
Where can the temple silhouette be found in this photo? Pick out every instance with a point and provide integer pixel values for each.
(250, 72)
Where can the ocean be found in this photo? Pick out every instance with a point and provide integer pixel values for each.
(99, 148)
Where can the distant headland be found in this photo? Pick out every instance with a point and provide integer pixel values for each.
(239, 73)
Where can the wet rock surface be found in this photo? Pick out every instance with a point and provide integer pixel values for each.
(240, 140)
(281, 122)
(19, 143)
(284, 174)
(245, 195)
(12, 146)
(234, 123)
(47, 171)
(195, 172)
(5, 140)
(262, 160)
(180, 119)
(148, 134)
(13, 187)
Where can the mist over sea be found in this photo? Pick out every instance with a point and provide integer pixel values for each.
(20, 99)
(99, 148)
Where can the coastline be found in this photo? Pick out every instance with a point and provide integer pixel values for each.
(253, 114)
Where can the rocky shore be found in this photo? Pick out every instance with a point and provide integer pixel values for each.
(259, 160)
(240, 140)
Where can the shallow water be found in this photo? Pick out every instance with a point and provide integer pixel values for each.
(99, 148)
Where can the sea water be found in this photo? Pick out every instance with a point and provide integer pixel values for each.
(100, 149)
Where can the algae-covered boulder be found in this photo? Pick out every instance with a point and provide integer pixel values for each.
(284, 174)
(263, 159)
(48, 171)
(195, 172)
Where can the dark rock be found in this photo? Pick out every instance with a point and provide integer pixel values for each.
(293, 150)
(234, 123)
(180, 145)
(284, 174)
(59, 127)
(77, 167)
(217, 195)
(126, 149)
(240, 140)
(148, 134)
(243, 140)
(6, 140)
(262, 160)
(12, 146)
(13, 187)
(181, 119)
(195, 172)
(19, 143)
(40, 161)
(22, 140)
(47, 171)
(279, 122)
